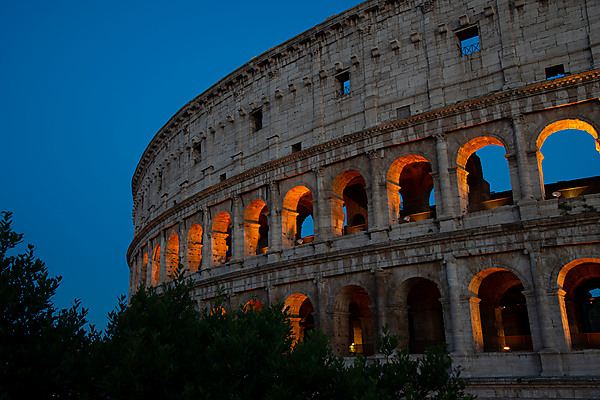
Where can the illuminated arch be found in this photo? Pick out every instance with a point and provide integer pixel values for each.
(564, 124)
(253, 305)
(297, 207)
(221, 239)
(144, 272)
(353, 323)
(499, 313)
(579, 301)
(473, 189)
(573, 189)
(194, 248)
(300, 309)
(420, 314)
(156, 265)
(172, 256)
(349, 192)
(256, 228)
(414, 170)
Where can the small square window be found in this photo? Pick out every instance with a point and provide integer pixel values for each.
(297, 147)
(403, 112)
(343, 82)
(469, 41)
(256, 119)
(198, 148)
(223, 177)
(556, 71)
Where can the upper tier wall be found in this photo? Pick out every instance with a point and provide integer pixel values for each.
(401, 57)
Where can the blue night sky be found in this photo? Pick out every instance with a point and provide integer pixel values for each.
(86, 85)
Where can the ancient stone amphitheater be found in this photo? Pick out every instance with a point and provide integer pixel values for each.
(337, 172)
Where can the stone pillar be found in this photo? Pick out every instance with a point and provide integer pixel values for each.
(237, 241)
(446, 207)
(380, 283)
(206, 243)
(513, 167)
(274, 216)
(163, 258)
(476, 327)
(457, 317)
(548, 330)
(320, 208)
(543, 321)
(323, 316)
(561, 307)
(376, 206)
(524, 167)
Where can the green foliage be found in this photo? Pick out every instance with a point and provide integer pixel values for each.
(160, 346)
(42, 349)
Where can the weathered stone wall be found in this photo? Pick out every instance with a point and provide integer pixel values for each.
(278, 140)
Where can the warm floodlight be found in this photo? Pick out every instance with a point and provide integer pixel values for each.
(406, 219)
(556, 194)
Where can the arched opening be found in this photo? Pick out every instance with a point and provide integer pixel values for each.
(156, 265)
(194, 248)
(172, 256)
(253, 305)
(569, 159)
(349, 205)
(499, 313)
(144, 270)
(581, 287)
(410, 190)
(484, 177)
(297, 227)
(425, 316)
(302, 319)
(256, 228)
(221, 239)
(353, 324)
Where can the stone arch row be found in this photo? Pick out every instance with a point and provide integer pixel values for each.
(500, 305)
(354, 202)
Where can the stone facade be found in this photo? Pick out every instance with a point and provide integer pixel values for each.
(353, 124)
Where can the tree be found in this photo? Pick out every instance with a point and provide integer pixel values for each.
(160, 346)
(42, 349)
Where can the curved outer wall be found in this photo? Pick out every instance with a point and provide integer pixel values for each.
(251, 147)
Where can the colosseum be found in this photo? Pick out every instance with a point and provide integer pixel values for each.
(338, 172)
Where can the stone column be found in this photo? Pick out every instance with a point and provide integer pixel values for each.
(163, 258)
(457, 317)
(274, 216)
(513, 167)
(320, 208)
(376, 208)
(476, 327)
(148, 265)
(542, 320)
(206, 244)
(380, 279)
(548, 331)
(524, 167)
(237, 231)
(445, 207)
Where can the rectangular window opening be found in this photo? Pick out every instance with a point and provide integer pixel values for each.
(403, 112)
(469, 40)
(223, 177)
(198, 148)
(343, 81)
(296, 147)
(556, 71)
(256, 119)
